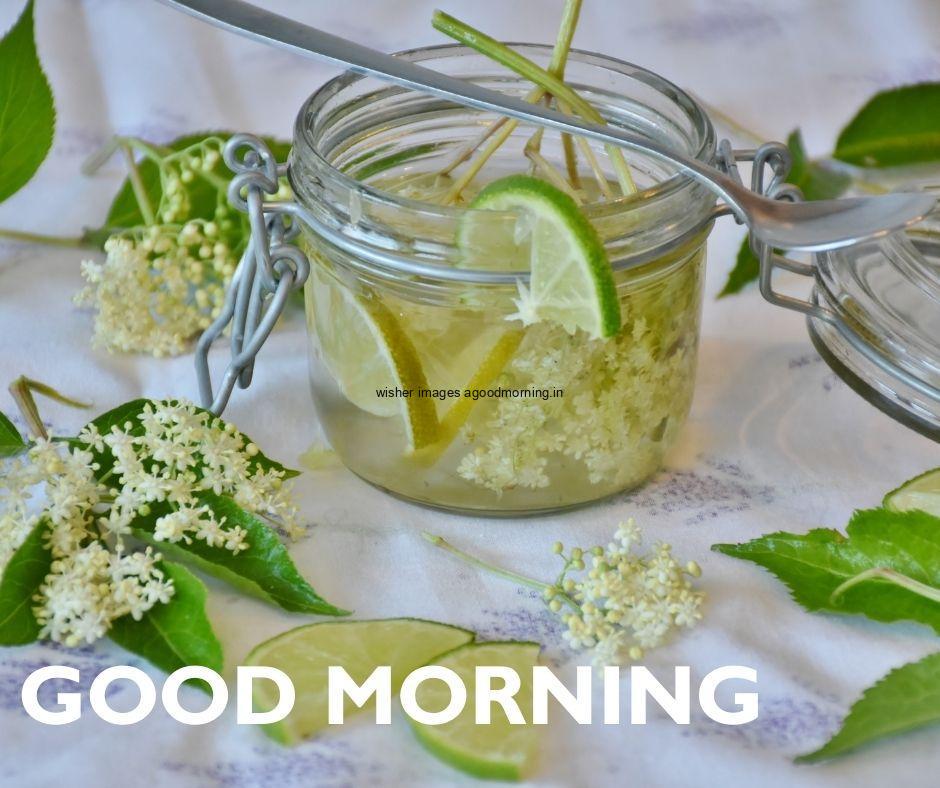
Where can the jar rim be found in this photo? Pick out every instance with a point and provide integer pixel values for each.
(705, 151)
(660, 196)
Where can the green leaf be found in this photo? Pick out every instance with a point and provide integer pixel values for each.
(746, 270)
(27, 113)
(815, 181)
(815, 564)
(175, 634)
(11, 442)
(898, 126)
(264, 570)
(22, 577)
(125, 212)
(119, 416)
(906, 699)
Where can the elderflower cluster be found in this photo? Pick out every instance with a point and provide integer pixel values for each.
(89, 588)
(88, 585)
(173, 453)
(158, 286)
(86, 495)
(626, 603)
(623, 401)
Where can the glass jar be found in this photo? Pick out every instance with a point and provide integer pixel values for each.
(879, 323)
(479, 413)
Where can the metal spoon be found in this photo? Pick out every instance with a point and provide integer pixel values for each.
(824, 224)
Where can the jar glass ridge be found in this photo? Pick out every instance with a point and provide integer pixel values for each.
(362, 170)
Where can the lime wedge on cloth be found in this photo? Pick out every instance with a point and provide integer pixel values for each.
(305, 653)
(500, 750)
(366, 349)
(571, 281)
(921, 492)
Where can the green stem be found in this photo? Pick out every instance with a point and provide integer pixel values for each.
(891, 576)
(137, 184)
(440, 541)
(506, 574)
(541, 164)
(22, 390)
(38, 238)
(559, 61)
(525, 68)
(569, 22)
(476, 165)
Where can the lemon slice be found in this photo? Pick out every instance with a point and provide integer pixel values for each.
(305, 653)
(571, 281)
(366, 351)
(921, 492)
(500, 750)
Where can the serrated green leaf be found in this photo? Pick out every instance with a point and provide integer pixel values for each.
(264, 570)
(11, 442)
(27, 113)
(814, 180)
(125, 212)
(22, 577)
(896, 127)
(906, 699)
(174, 634)
(746, 270)
(814, 565)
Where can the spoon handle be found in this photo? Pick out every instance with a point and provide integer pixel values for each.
(271, 28)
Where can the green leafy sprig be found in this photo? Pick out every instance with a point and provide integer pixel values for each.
(172, 240)
(897, 127)
(176, 631)
(885, 567)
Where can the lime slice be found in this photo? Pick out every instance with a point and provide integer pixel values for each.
(458, 413)
(921, 492)
(498, 751)
(571, 281)
(305, 653)
(366, 350)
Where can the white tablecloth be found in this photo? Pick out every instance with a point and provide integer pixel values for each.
(774, 441)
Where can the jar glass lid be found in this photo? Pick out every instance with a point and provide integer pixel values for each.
(881, 333)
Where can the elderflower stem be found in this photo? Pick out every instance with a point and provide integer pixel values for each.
(557, 66)
(463, 181)
(496, 50)
(541, 164)
(595, 166)
(569, 22)
(22, 390)
(891, 576)
(440, 541)
(468, 150)
(137, 184)
(38, 238)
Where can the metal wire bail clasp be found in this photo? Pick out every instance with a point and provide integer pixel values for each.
(269, 269)
(777, 157)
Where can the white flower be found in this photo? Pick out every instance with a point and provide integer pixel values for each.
(154, 292)
(91, 587)
(93, 578)
(626, 603)
(623, 398)
(526, 306)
